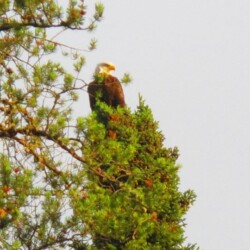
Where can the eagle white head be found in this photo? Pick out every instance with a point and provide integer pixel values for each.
(104, 68)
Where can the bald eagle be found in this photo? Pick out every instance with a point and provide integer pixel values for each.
(107, 86)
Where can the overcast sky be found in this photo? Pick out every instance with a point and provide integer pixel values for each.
(190, 61)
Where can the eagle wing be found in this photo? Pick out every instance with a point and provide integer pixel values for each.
(93, 89)
(114, 92)
(111, 92)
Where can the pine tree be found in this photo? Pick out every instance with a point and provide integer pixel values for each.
(105, 181)
(131, 199)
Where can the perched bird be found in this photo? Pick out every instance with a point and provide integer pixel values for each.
(106, 87)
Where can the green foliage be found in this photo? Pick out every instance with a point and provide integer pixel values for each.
(105, 181)
(93, 44)
(126, 79)
(41, 152)
(15, 187)
(17, 18)
(99, 78)
(99, 8)
(132, 199)
(79, 64)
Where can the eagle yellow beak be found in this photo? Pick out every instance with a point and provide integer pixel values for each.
(112, 67)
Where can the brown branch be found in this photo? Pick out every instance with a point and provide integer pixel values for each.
(12, 132)
(58, 241)
(54, 139)
(62, 44)
(7, 26)
(40, 158)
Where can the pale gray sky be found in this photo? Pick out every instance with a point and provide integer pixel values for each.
(190, 61)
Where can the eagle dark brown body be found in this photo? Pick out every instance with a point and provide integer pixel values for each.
(111, 92)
